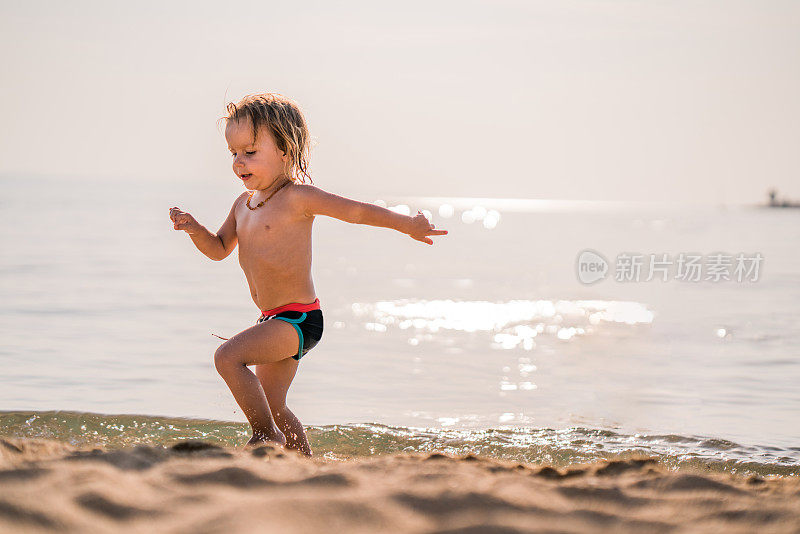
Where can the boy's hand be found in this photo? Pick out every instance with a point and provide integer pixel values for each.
(183, 221)
(421, 227)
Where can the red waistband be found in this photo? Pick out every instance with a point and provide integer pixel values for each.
(292, 306)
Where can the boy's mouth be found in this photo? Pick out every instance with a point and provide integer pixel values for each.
(245, 176)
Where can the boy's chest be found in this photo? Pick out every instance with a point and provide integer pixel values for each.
(266, 225)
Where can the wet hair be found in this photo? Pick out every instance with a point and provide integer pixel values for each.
(284, 119)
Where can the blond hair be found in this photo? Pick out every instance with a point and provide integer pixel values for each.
(284, 119)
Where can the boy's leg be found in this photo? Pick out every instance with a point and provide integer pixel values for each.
(275, 380)
(264, 343)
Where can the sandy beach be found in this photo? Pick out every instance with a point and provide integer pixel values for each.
(195, 486)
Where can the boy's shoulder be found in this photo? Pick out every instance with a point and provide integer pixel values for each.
(240, 199)
(302, 188)
(299, 194)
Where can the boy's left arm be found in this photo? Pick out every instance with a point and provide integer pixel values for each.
(314, 201)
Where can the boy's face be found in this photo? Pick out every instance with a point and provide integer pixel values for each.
(259, 164)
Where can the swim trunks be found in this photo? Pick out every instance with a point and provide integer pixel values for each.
(305, 318)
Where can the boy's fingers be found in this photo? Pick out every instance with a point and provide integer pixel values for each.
(426, 240)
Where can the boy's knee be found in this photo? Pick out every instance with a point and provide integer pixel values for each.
(224, 358)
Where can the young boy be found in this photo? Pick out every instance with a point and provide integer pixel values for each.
(269, 141)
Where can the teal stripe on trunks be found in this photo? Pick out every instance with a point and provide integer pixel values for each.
(294, 322)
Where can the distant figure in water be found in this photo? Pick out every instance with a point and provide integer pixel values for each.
(269, 141)
(774, 202)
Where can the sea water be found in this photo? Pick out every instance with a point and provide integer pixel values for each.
(485, 342)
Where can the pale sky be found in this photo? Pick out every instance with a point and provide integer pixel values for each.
(611, 100)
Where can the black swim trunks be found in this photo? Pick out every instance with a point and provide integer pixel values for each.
(305, 318)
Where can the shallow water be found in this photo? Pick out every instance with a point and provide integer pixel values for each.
(106, 309)
(559, 448)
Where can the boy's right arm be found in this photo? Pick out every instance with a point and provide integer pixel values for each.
(227, 232)
(217, 247)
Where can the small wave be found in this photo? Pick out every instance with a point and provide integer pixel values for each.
(559, 448)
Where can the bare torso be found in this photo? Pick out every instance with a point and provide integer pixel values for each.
(275, 251)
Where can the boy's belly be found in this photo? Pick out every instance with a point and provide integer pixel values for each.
(278, 278)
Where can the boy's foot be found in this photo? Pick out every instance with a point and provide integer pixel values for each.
(259, 439)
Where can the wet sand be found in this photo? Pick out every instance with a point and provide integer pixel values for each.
(195, 486)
